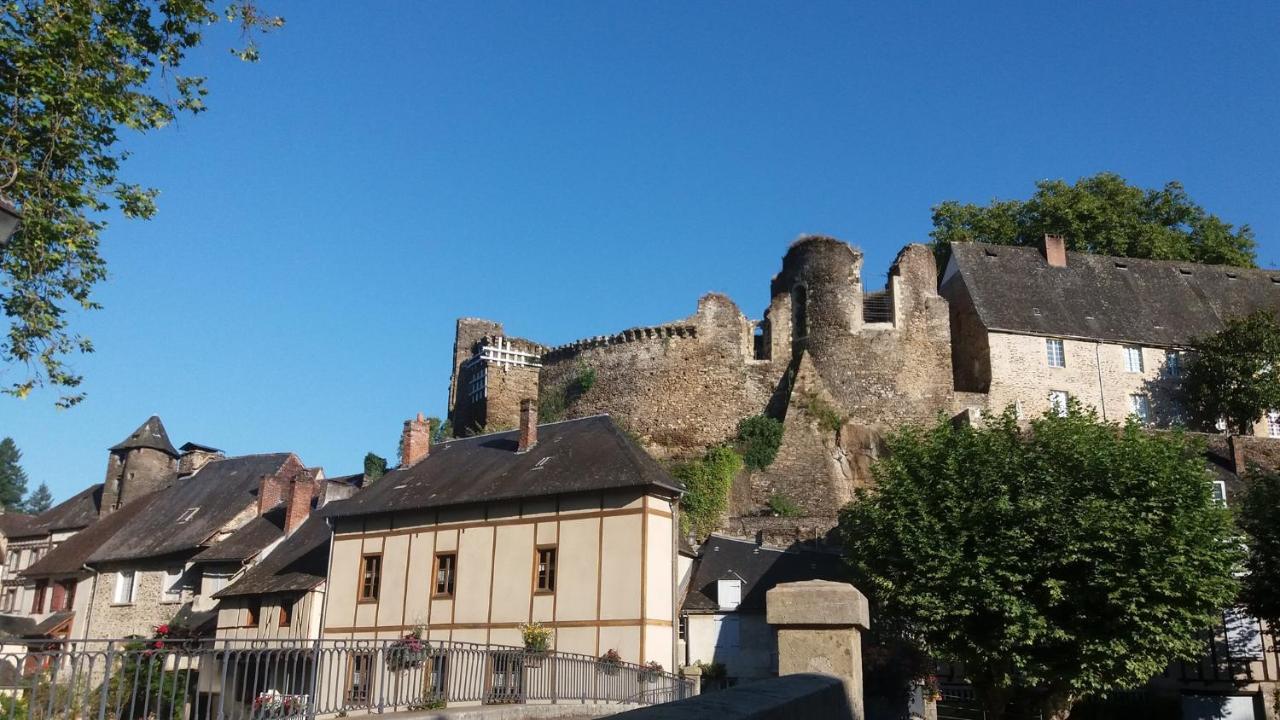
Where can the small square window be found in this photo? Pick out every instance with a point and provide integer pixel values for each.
(1140, 407)
(124, 588)
(446, 569)
(370, 577)
(546, 578)
(1056, 355)
(253, 612)
(286, 613)
(1173, 364)
(1133, 358)
(172, 587)
(1219, 490)
(1058, 401)
(1273, 424)
(187, 515)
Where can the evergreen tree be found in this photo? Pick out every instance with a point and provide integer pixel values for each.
(13, 479)
(39, 500)
(375, 466)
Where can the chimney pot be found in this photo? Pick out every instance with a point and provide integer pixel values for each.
(528, 425)
(415, 441)
(1054, 248)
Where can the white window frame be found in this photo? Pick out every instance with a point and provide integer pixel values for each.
(1220, 492)
(130, 585)
(171, 586)
(1273, 423)
(1055, 352)
(1140, 407)
(1173, 363)
(1058, 401)
(187, 514)
(1133, 359)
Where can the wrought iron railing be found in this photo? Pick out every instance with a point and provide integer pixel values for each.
(256, 680)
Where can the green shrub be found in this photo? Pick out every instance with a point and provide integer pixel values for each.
(783, 506)
(759, 438)
(707, 481)
(554, 400)
(828, 417)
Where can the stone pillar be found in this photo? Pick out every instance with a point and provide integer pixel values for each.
(819, 625)
(693, 673)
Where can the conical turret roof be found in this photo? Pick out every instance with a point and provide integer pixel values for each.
(150, 434)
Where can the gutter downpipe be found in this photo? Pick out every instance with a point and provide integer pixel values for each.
(324, 610)
(92, 594)
(1097, 363)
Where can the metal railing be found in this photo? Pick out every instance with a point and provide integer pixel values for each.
(255, 680)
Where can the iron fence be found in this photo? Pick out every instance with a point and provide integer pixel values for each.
(257, 680)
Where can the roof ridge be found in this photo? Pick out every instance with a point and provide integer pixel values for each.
(513, 430)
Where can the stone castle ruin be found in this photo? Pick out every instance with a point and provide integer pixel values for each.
(838, 365)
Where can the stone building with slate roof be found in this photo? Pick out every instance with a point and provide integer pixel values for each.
(570, 524)
(1032, 327)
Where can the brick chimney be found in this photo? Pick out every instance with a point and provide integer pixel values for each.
(1054, 248)
(528, 425)
(1236, 447)
(271, 490)
(415, 441)
(298, 506)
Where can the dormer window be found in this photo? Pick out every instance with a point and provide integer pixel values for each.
(729, 594)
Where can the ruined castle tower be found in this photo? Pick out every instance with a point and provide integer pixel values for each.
(140, 464)
(867, 360)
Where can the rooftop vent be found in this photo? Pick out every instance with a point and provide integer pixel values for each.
(991, 253)
(1185, 271)
(1122, 266)
(1232, 275)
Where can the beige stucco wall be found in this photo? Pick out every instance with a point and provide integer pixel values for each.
(615, 554)
(1094, 374)
(304, 620)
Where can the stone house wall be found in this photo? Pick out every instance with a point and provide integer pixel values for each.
(107, 619)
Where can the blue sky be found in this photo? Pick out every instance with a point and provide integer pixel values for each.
(573, 169)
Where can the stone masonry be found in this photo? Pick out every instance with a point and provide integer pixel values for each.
(681, 387)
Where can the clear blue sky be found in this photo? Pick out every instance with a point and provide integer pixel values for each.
(574, 169)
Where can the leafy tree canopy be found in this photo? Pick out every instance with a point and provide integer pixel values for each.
(73, 75)
(1234, 375)
(375, 466)
(1060, 562)
(1100, 214)
(38, 501)
(1259, 518)
(13, 479)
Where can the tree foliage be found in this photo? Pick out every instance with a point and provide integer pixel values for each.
(73, 77)
(38, 501)
(1100, 214)
(1235, 374)
(759, 438)
(1057, 563)
(1259, 518)
(375, 466)
(13, 479)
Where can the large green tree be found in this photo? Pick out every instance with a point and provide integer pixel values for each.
(1259, 517)
(1054, 562)
(1100, 214)
(1234, 375)
(13, 479)
(75, 75)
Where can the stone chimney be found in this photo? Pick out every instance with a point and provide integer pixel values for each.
(528, 425)
(1054, 248)
(298, 506)
(195, 456)
(271, 490)
(415, 441)
(1236, 446)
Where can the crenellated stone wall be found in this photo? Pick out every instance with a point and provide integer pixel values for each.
(876, 360)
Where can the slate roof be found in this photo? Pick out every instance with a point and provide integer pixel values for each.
(220, 490)
(188, 447)
(80, 510)
(150, 434)
(247, 541)
(583, 455)
(16, 626)
(71, 555)
(1148, 302)
(14, 524)
(759, 567)
(298, 564)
